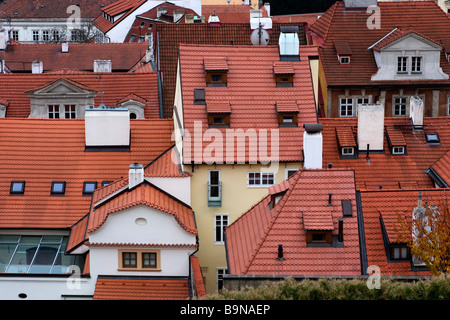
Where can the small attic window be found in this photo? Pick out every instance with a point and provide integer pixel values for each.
(17, 187)
(344, 60)
(216, 70)
(432, 138)
(199, 96)
(343, 51)
(89, 187)
(398, 150)
(284, 74)
(287, 114)
(58, 188)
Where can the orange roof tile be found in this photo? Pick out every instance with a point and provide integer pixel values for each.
(390, 204)
(283, 67)
(215, 64)
(40, 151)
(442, 168)
(116, 86)
(144, 194)
(253, 239)
(345, 136)
(385, 170)
(229, 13)
(199, 286)
(243, 69)
(140, 289)
(81, 56)
(122, 6)
(167, 165)
(218, 107)
(337, 23)
(288, 106)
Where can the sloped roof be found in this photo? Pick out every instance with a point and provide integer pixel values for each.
(390, 204)
(231, 13)
(44, 9)
(172, 35)
(126, 288)
(249, 65)
(116, 85)
(385, 170)
(442, 168)
(124, 56)
(122, 6)
(253, 239)
(39, 151)
(167, 165)
(336, 24)
(143, 194)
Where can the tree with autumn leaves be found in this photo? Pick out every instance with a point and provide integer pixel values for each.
(427, 234)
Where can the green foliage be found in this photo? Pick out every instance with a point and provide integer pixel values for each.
(436, 288)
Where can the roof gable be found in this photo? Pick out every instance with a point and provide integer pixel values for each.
(62, 87)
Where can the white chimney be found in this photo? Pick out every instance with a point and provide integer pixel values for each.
(37, 67)
(160, 11)
(107, 127)
(371, 127)
(416, 109)
(267, 7)
(102, 66)
(135, 175)
(312, 146)
(4, 38)
(64, 47)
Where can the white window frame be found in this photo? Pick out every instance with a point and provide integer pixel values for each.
(402, 64)
(346, 105)
(221, 223)
(53, 109)
(68, 110)
(261, 178)
(396, 150)
(34, 34)
(218, 198)
(14, 35)
(416, 64)
(344, 60)
(348, 151)
(45, 35)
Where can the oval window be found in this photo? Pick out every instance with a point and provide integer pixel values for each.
(141, 221)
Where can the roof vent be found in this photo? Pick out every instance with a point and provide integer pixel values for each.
(280, 253)
(289, 44)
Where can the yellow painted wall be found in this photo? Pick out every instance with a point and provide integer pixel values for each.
(237, 198)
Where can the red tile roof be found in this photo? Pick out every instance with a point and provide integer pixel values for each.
(336, 24)
(167, 165)
(172, 35)
(388, 171)
(40, 151)
(141, 289)
(229, 13)
(442, 168)
(253, 239)
(44, 9)
(116, 86)
(260, 98)
(124, 56)
(389, 204)
(144, 194)
(126, 7)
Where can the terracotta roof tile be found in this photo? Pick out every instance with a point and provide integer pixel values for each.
(141, 289)
(245, 103)
(283, 67)
(143, 194)
(336, 24)
(167, 165)
(395, 136)
(218, 107)
(172, 35)
(215, 64)
(81, 56)
(442, 168)
(116, 86)
(386, 170)
(58, 154)
(288, 106)
(345, 136)
(253, 239)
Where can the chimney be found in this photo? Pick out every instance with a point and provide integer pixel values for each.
(267, 7)
(102, 66)
(371, 127)
(107, 128)
(160, 11)
(214, 20)
(177, 15)
(359, 4)
(416, 112)
(312, 146)
(280, 253)
(289, 44)
(189, 18)
(37, 67)
(135, 175)
(64, 47)
(4, 39)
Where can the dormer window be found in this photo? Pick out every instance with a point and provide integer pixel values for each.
(17, 187)
(348, 151)
(399, 150)
(287, 114)
(402, 65)
(396, 141)
(346, 143)
(343, 51)
(284, 74)
(216, 70)
(218, 114)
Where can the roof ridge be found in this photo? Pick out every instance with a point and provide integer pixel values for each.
(278, 207)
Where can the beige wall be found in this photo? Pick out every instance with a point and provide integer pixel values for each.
(237, 198)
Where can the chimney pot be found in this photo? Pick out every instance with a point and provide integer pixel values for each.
(64, 47)
(280, 253)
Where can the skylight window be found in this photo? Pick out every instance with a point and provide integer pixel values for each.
(58, 188)
(89, 187)
(17, 187)
(432, 138)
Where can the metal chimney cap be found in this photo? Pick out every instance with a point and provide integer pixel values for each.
(313, 127)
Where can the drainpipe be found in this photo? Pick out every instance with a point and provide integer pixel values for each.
(190, 266)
